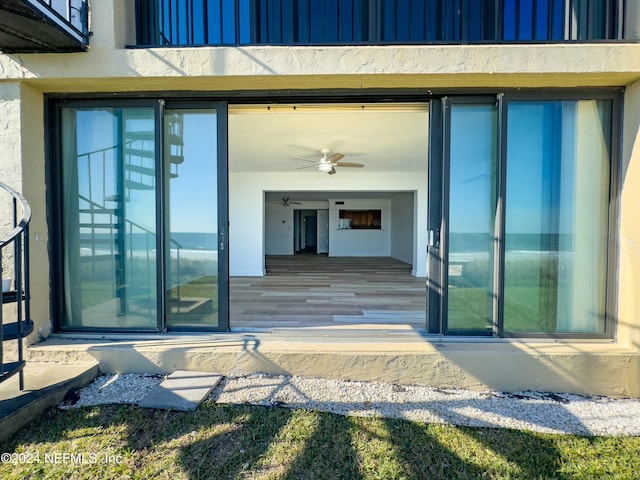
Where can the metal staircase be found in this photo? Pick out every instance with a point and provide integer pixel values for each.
(15, 292)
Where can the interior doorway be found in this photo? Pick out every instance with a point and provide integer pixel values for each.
(306, 231)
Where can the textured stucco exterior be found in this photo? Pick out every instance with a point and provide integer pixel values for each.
(587, 368)
(109, 67)
(629, 230)
(258, 68)
(10, 169)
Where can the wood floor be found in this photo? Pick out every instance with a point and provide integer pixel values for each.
(311, 290)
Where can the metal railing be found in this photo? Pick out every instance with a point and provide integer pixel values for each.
(16, 289)
(346, 22)
(74, 13)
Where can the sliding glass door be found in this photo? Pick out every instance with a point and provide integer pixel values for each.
(191, 239)
(557, 202)
(520, 199)
(142, 216)
(471, 201)
(109, 230)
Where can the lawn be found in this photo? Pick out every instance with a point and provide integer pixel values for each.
(223, 441)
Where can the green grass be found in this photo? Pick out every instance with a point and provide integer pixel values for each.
(220, 442)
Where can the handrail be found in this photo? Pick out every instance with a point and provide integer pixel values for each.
(26, 215)
(20, 294)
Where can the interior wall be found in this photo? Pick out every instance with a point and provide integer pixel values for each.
(278, 229)
(402, 233)
(399, 221)
(247, 213)
(360, 243)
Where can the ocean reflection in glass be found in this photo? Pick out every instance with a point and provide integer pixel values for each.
(472, 209)
(191, 242)
(558, 163)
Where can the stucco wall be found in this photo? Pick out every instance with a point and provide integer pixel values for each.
(22, 168)
(112, 23)
(254, 68)
(34, 190)
(629, 242)
(10, 174)
(107, 67)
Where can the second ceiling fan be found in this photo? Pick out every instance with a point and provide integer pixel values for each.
(328, 163)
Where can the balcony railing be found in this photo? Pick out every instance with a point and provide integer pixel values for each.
(358, 22)
(43, 25)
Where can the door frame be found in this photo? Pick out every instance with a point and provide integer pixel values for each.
(222, 157)
(438, 192)
(55, 211)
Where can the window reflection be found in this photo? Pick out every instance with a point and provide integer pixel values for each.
(191, 217)
(557, 215)
(109, 227)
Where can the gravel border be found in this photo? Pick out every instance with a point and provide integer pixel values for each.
(532, 411)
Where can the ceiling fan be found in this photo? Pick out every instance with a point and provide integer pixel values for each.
(328, 162)
(286, 202)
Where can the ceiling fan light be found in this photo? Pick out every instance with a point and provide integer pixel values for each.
(325, 167)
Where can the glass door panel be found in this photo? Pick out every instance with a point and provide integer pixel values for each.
(557, 216)
(471, 198)
(191, 203)
(109, 218)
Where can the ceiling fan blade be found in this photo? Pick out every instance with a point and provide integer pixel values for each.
(304, 159)
(349, 164)
(336, 157)
(306, 166)
(332, 171)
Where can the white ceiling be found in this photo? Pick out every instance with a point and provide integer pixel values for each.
(384, 137)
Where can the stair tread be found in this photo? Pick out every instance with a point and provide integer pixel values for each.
(137, 185)
(10, 297)
(98, 211)
(10, 330)
(98, 225)
(10, 369)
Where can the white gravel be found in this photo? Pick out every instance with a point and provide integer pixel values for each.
(534, 411)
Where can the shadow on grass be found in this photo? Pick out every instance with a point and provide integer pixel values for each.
(472, 452)
(231, 441)
(423, 456)
(328, 452)
(238, 450)
(212, 442)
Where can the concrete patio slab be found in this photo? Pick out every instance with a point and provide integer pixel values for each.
(182, 390)
(45, 385)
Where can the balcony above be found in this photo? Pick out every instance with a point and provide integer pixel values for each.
(43, 26)
(163, 23)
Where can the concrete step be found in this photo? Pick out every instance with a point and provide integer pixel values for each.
(182, 390)
(394, 355)
(45, 385)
